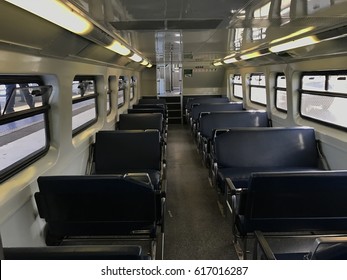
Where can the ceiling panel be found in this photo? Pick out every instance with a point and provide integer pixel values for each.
(203, 23)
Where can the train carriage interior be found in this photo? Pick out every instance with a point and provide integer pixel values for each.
(173, 130)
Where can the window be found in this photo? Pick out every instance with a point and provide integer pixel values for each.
(285, 11)
(84, 103)
(323, 97)
(238, 35)
(281, 92)
(109, 92)
(262, 12)
(259, 33)
(236, 82)
(24, 130)
(257, 88)
(132, 87)
(315, 5)
(121, 90)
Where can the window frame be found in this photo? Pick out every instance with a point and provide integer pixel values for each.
(285, 11)
(256, 86)
(276, 88)
(233, 86)
(121, 87)
(109, 95)
(132, 93)
(326, 93)
(81, 99)
(43, 110)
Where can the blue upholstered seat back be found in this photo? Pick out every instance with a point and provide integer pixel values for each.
(267, 147)
(119, 151)
(95, 205)
(224, 120)
(210, 100)
(207, 107)
(141, 121)
(295, 201)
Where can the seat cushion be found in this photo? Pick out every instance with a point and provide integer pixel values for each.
(240, 176)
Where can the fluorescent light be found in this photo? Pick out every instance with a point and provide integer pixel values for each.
(118, 48)
(302, 42)
(294, 34)
(250, 55)
(229, 59)
(217, 63)
(57, 13)
(144, 62)
(135, 57)
(149, 65)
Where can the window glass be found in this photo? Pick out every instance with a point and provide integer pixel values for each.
(337, 83)
(258, 88)
(315, 5)
(238, 35)
(84, 106)
(323, 97)
(24, 130)
(258, 79)
(313, 82)
(285, 10)
(109, 92)
(132, 87)
(262, 12)
(258, 33)
(121, 91)
(281, 92)
(237, 86)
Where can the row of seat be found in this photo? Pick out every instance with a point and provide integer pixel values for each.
(91, 252)
(119, 203)
(272, 179)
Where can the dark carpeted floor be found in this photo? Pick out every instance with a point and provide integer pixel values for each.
(195, 227)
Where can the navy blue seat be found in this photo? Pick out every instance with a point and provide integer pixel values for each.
(146, 110)
(141, 121)
(242, 151)
(91, 252)
(98, 206)
(123, 151)
(322, 248)
(152, 106)
(203, 99)
(290, 202)
(212, 121)
(215, 107)
(145, 121)
(152, 101)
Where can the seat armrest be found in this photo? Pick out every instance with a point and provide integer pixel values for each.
(164, 170)
(231, 189)
(218, 131)
(324, 240)
(263, 245)
(140, 177)
(231, 193)
(214, 171)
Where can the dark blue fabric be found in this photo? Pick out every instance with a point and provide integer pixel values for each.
(267, 147)
(206, 107)
(96, 205)
(225, 120)
(295, 201)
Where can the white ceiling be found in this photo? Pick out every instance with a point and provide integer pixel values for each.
(203, 23)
